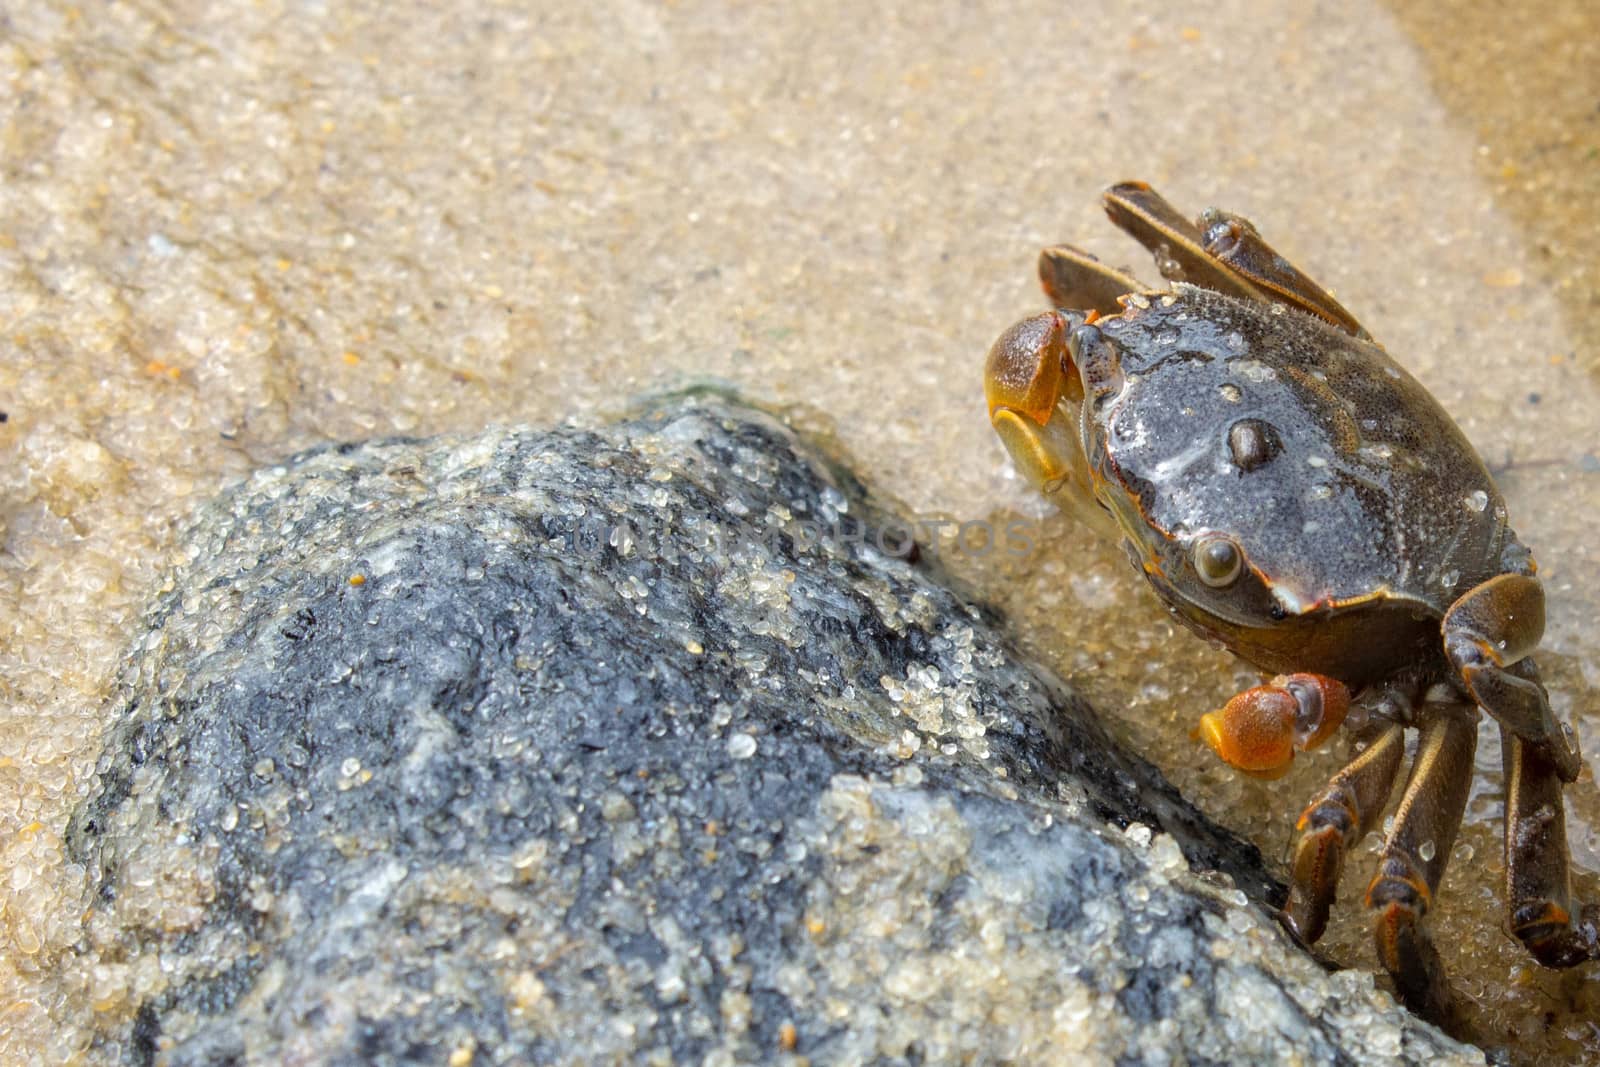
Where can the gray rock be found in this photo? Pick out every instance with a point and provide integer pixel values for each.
(535, 747)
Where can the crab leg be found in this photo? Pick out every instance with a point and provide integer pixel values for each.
(1179, 247)
(1072, 278)
(1234, 241)
(1335, 820)
(1414, 857)
(1223, 252)
(1538, 892)
(1488, 633)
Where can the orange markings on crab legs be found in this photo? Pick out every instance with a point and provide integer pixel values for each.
(1338, 817)
(1538, 885)
(1318, 860)
(1400, 898)
(1260, 730)
(1413, 860)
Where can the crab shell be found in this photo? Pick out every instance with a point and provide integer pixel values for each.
(1360, 508)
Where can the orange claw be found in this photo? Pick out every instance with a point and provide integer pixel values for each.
(1254, 732)
(1260, 730)
(1324, 702)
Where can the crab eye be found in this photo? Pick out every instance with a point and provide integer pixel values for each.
(1218, 561)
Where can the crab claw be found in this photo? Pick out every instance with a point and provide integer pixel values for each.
(1260, 730)
(1035, 384)
(1034, 392)
(1027, 373)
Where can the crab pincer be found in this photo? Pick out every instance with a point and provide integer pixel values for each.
(1260, 729)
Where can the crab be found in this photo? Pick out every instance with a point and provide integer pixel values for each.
(1291, 493)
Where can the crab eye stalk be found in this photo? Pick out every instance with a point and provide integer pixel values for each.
(1218, 561)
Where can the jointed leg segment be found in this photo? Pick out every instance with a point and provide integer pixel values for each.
(1415, 855)
(1221, 252)
(1488, 633)
(1538, 892)
(1177, 244)
(1234, 241)
(1073, 278)
(1334, 822)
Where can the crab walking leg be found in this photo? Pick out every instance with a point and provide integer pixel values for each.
(1488, 633)
(1414, 857)
(1338, 817)
(1538, 892)
(1234, 241)
(1175, 242)
(1072, 278)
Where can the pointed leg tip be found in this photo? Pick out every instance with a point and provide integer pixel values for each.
(1305, 920)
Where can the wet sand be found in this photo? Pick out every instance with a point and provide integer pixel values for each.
(231, 232)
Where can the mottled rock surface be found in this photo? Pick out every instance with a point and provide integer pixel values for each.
(540, 746)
